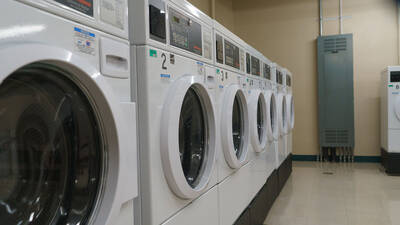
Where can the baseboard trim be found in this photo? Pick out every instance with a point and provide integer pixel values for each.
(361, 159)
(306, 158)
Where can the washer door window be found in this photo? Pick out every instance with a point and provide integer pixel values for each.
(283, 125)
(237, 126)
(51, 154)
(290, 115)
(258, 120)
(188, 134)
(234, 126)
(272, 124)
(192, 137)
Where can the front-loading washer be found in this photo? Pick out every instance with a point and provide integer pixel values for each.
(68, 134)
(258, 120)
(177, 118)
(290, 111)
(268, 165)
(258, 135)
(282, 124)
(234, 181)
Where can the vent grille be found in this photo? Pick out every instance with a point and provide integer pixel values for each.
(334, 45)
(336, 136)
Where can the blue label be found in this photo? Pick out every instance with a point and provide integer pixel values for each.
(221, 86)
(84, 32)
(395, 93)
(200, 63)
(165, 76)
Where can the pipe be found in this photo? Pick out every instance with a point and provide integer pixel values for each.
(341, 16)
(321, 18)
(398, 29)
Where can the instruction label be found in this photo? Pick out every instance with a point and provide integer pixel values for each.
(200, 68)
(85, 41)
(112, 12)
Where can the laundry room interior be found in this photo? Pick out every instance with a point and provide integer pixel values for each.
(200, 112)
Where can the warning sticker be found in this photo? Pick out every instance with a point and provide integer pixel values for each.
(85, 41)
(112, 12)
(83, 6)
(200, 68)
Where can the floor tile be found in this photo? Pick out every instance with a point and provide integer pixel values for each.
(337, 194)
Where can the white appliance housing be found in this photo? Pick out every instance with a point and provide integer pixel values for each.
(390, 109)
(65, 97)
(176, 84)
(234, 177)
(290, 110)
(259, 121)
(272, 117)
(282, 114)
(390, 120)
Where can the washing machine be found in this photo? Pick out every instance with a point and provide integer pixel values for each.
(390, 119)
(282, 114)
(259, 121)
(177, 117)
(68, 133)
(290, 111)
(234, 180)
(272, 117)
(283, 161)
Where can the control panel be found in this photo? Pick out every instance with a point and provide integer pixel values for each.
(219, 49)
(185, 33)
(279, 77)
(395, 76)
(255, 66)
(231, 55)
(288, 81)
(267, 71)
(248, 63)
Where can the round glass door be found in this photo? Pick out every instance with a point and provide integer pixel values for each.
(192, 137)
(291, 112)
(51, 152)
(283, 115)
(272, 113)
(238, 126)
(260, 120)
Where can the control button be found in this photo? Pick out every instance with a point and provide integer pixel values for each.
(397, 86)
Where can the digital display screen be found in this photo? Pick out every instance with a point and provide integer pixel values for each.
(255, 66)
(279, 77)
(157, 24)
(267, 71)
(395, 76)
(248, 66)
(288, 81)
(231, 55)
(219, 49)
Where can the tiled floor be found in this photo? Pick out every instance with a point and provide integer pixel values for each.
(337, 194)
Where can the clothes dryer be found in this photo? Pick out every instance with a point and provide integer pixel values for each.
(177, 114)
(68, 133)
